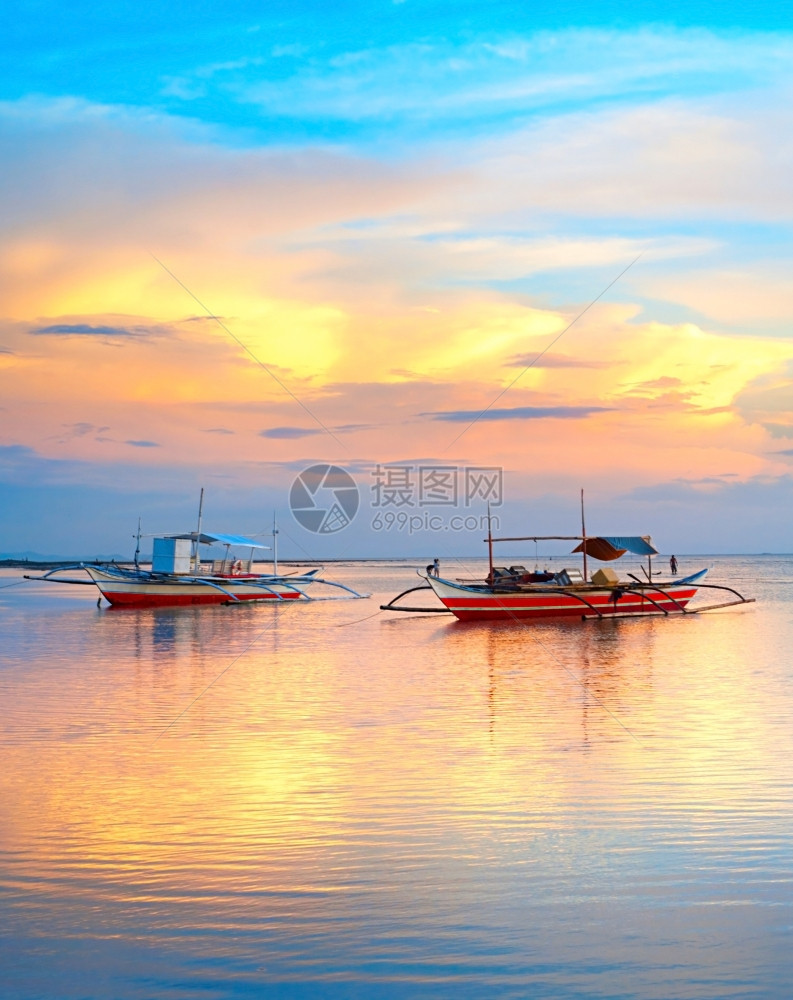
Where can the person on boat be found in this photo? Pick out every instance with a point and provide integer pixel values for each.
(673, 566)
(237, 567)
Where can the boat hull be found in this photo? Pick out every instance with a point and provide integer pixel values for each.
(481, 603)
(125, 590)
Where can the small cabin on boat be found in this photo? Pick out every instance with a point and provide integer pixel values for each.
(172, 555)
(178, 554)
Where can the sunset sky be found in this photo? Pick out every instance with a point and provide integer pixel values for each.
(237, 240)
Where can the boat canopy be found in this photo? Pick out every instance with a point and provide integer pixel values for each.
(205, 538)
(607, 548)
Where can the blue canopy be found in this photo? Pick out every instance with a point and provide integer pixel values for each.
(640, 545)
(608, 547)
(205, 538)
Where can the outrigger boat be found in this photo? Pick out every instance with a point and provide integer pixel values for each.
(511, 594)
(179, 577)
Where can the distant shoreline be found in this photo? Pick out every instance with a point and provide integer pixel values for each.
(43, 564)
(55, 563)
(61, 563)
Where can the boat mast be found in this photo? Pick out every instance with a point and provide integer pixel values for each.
(275, 547)
(196, 560)
(489, 545)
(583, 534)
(137, 546)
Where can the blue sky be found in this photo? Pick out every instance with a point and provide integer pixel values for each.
(289, 71)
(392, 206)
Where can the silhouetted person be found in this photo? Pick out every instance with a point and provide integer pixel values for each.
(673, 566)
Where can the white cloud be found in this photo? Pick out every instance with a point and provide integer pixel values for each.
(759, 293)
(519, 74)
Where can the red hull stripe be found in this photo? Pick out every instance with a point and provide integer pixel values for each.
(508, 607)
(129, 600)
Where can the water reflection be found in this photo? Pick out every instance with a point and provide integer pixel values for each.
(542, 667)
(232, 798)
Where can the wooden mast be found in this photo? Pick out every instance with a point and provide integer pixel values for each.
(583, 533)
(196, 560)
(489, 546)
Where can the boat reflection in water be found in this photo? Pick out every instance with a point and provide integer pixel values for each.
(335, 804)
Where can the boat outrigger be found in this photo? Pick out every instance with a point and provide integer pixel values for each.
(512, 594)
(178, 576)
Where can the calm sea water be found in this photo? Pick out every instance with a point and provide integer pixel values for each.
(331, 801)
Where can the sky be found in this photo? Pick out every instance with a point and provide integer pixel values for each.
(422, 242)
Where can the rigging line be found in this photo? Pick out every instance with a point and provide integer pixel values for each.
(358, 622)
(306, 554)
(276, 614)
(339, 557)
(249, 352)
(543, 352)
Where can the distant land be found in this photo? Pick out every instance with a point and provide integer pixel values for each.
(37, 559)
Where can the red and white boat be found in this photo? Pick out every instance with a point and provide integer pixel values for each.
(516, 596)
(141, 588)
(178, 575)
(512, 594)
(177, 579)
